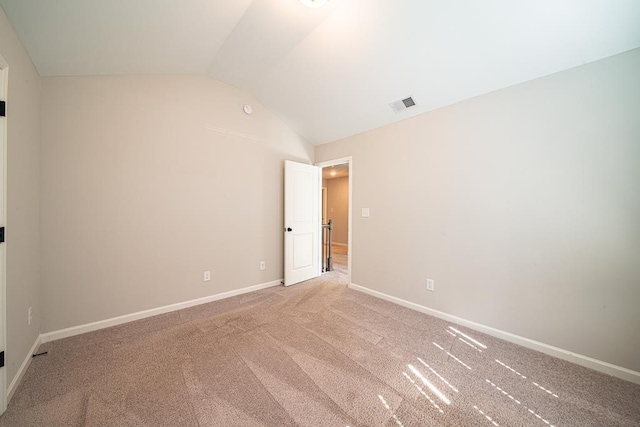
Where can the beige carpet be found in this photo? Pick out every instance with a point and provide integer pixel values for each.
(315, 354)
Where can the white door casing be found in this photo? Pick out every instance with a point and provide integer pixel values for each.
(302, 226)
(3, 306)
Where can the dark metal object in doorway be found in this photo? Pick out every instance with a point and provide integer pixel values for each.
(327, 260)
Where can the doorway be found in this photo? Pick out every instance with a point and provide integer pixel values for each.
(336, 209)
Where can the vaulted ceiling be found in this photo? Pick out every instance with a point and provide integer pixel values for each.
(329, 72)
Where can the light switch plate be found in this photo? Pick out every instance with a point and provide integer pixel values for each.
(365, 212)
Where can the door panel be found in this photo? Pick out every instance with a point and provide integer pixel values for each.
(301, 222)
(302, 253)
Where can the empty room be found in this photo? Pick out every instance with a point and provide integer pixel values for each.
(319, 213)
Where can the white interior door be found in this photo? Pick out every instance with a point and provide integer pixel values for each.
(301, 222)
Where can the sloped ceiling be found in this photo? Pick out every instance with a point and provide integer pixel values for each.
(329, 72)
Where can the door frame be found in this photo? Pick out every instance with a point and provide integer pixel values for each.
(341, 161)
(4, 83)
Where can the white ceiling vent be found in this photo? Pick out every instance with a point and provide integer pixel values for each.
(402, 104)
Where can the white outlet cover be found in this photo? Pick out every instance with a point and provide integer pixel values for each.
(365, 212)
(431, 285)
(207, 276)
(263, 265)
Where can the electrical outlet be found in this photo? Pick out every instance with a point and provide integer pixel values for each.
(29, 316)
(431, 286)
(263, 265)
(207, 276)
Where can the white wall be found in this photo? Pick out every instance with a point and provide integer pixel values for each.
(22, 199)
(338, 208)
(139, 198)
(522, 204)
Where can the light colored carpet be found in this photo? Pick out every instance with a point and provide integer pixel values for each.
(314, 354)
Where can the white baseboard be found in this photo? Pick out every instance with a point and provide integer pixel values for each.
(23, 368)
(89, 327)
(579, 359)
